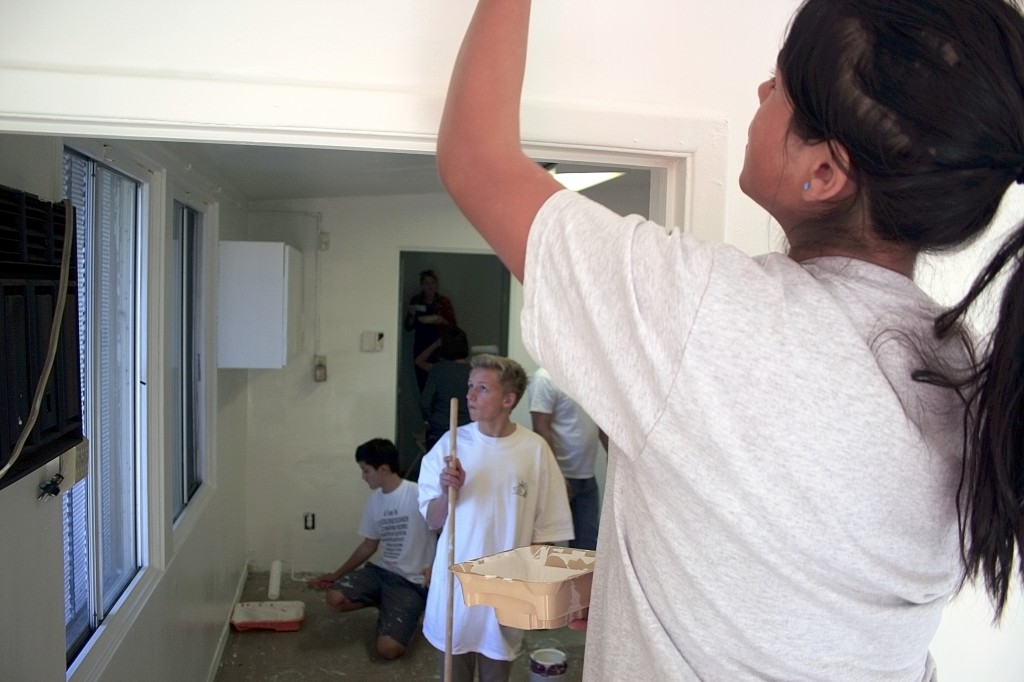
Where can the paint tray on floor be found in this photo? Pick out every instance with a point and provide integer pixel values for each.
(283, 616)
(538, 587)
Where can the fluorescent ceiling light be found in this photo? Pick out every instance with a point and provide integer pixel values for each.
(581, 181)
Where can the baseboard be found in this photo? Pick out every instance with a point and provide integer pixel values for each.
(226, 630)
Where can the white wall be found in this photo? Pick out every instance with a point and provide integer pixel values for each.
(303, 435)
(663, 77)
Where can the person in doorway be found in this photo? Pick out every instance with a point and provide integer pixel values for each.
(509, 493)
(425, 315)
(807, 455)
(446, 379)
(397, 583)
(576, 442)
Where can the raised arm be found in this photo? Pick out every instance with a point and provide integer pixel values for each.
(423, 359)
(479, 155)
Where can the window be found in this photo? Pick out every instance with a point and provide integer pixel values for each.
(185, 352)
(102, 528)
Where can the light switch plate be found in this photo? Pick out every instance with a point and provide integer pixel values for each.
(372, 342)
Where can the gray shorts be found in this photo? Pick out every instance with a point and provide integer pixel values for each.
(401, 603)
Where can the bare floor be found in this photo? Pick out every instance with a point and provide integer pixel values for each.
(339, 646)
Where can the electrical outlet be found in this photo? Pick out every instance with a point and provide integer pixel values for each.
(309, 521)
(319, 368)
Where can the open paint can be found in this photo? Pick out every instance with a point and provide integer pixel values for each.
(547, 665)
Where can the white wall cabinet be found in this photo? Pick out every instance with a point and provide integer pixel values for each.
(259, 304)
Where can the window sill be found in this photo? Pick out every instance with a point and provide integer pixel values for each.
(92, 661)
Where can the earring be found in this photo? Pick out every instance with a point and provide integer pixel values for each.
(807, 185)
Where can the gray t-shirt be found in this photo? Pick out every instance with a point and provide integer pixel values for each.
(780, 497)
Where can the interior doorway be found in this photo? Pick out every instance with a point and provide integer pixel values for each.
(478, 286)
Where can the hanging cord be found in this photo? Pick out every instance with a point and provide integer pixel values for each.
(51, 351)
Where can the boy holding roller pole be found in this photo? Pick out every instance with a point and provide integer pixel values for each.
(509, 493)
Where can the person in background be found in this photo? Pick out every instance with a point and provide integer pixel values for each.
(576, 442)
(510, 494)
(425, 315)
(807, 455)
(397, 583)
(446, 379)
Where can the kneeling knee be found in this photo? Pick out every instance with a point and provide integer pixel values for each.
(337, 601)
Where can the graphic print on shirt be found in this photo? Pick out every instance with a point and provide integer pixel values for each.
(392, 533)
(521, 489)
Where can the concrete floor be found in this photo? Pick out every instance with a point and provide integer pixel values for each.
(339, 646)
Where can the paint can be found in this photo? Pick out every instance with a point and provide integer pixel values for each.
(547, 665)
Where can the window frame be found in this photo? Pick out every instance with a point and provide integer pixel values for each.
(190, 261)
(102, 607)
(165, 178)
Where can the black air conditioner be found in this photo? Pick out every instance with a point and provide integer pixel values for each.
(32, 240)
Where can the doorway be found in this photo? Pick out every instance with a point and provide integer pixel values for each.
(478, 286)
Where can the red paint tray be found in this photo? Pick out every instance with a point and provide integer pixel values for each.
(282, 616)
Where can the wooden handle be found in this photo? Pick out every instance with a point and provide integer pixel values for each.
(453, 427)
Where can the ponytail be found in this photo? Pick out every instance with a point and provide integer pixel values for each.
(992, 481)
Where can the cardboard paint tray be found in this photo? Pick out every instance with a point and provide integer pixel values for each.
(282, 616)
(538, 587)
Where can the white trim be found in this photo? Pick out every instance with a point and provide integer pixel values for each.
(226, 629)
(188, 188)
(190, 517)
(156, 535)
(691, 150)
(94, 658)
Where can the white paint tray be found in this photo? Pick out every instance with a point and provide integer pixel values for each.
(283, 616)
(538, 587)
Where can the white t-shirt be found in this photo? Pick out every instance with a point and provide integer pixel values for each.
(514, 495)
(577, 442)
(406, 542)
(780, 498)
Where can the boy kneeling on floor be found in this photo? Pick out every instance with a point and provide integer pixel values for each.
(397, 583)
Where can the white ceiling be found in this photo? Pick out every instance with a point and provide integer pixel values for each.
(274, 173)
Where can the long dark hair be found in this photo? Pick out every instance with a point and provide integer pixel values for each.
(925, 97)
